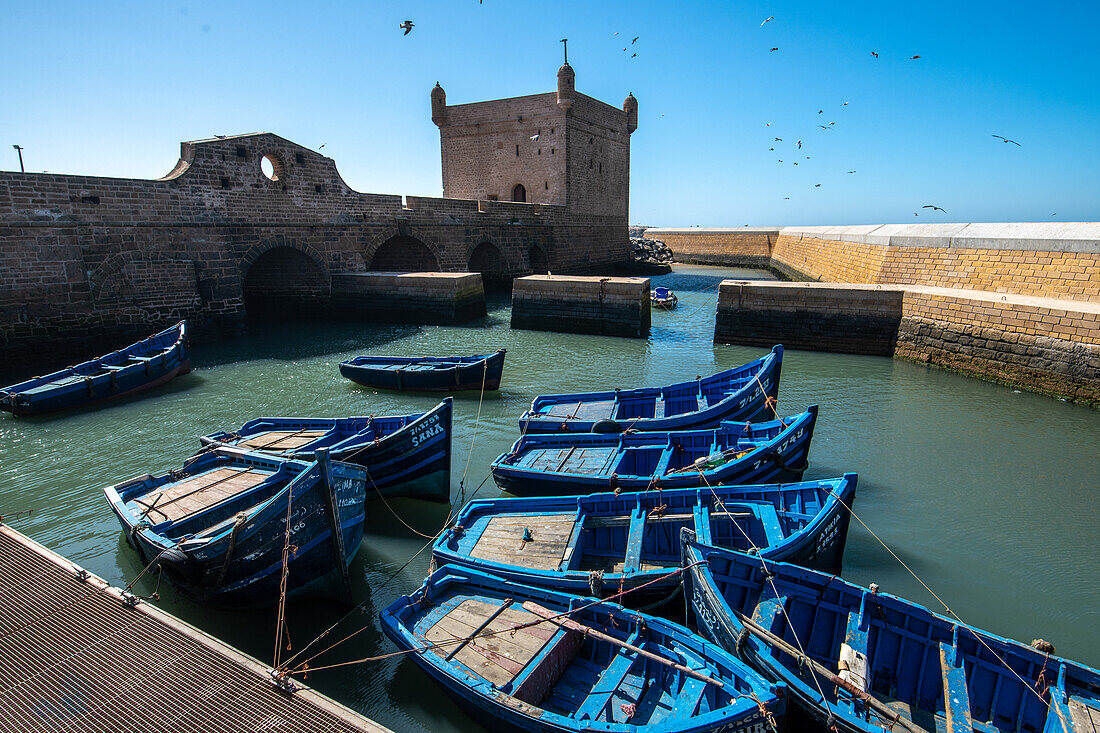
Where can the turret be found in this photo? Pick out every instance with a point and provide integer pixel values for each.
(567, 81)
(439, 104)
(630, 106)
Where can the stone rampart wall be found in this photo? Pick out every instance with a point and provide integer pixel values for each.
(742, 247)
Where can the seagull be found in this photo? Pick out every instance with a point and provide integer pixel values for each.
(1008, 141)
(781, 161)
(535, 137)
(796, 162)
(408, 26)
(851, 171)
(767, 124)
(786, 198)
(615, 33)
(775, 49)
(771, 148)
(799, 144)
(633, 55)
(220, 137)
(911, 58)
(832, 123)
(844, 105)
(779, 139)
(915, 214)
(874, 54)
(807, 157)
(817, 185)
(769, 18)
(322, 145)
(821, 111)
(824, 127)
(935, 208)
(635, 39)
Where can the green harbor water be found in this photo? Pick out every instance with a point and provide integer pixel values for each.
(991, 496)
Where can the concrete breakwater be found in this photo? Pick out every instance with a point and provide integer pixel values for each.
(607, 306)
(1047, 345)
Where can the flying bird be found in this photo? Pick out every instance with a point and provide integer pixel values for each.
(911, 58)
(408, 26)
(635, 39)
(771, 148)
(767, 124)
(769, 18)
(633, 55)
(796, 162)
(817, 185)
(799, 144)
(821, 111)
(322, 145)
(844, 105)
(775, 49)
(832, 123)
(807, 157)
(779, 139)
(851, 171)
(786, 198)
(780, 160)
(874, 54)
(915, 214)
(935, 208)
(824, 127)
(615, 33)
(535, 137)
(1008, 141)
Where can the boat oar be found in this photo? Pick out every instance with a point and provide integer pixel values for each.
(881, 710)
(568, 623)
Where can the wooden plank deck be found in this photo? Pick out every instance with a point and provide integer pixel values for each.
(194, 494)
(281, 440)
(502, 541)
(1086, 719)
(74, 657)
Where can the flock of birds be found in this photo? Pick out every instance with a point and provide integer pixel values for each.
(408, 25)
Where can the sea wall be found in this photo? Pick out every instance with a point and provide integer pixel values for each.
(409, 297)
(609, 306)
(1045, 345)
(726, 247)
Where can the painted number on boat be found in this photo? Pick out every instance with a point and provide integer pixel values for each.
(429, 429)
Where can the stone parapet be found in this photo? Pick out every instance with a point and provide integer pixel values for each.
(726, 247)
(609, 306)
(409, 297)
(1045, 345)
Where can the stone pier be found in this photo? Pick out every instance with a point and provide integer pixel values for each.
(441, 298)
(608, 306)
(1045, 345)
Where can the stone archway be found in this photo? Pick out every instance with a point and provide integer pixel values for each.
(540, 264)
(519, 194)
(284, 282)
(403, 253)
(487, 259)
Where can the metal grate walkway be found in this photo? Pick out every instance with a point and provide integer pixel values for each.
(73, 657)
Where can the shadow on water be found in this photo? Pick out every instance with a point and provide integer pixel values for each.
(296, 340)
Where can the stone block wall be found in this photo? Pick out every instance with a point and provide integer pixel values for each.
(1042, 344)
(409, 297)
(608, 306)
(736, 247)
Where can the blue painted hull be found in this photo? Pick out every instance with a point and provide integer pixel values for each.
(404, 455)
(426, 373)
(745, 394)
(136, 368)
(804, 523)
(408, 620)
(773, 452)
(912, 655)
(232, 554)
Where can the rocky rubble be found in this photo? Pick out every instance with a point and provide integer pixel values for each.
(650, 250)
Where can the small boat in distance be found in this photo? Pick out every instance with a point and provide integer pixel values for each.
(602, 544)
(521, 658)
(405, 455)
(744, 393)
(426, 373)
(881, 662)
(661, 297)
(217, 527)
(138, 367)
(542, 464)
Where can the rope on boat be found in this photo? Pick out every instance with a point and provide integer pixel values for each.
(385, 501)
(477, 422)
(510, 630)
(1027, 685)
(280, 621)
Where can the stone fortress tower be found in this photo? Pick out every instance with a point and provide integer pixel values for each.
(561, 148)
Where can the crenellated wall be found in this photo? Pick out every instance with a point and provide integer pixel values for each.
(88, 263)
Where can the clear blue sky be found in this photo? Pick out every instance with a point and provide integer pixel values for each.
(111, 88)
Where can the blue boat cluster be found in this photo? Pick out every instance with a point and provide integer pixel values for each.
(551, 609)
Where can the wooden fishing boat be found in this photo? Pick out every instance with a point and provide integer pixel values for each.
(871, 658)
(605, 543)
(747, 392)
(217, 528)
(663, 298)
(735, 453)
(138, 367)
(405, 455)
(521, 658)
(426, 373)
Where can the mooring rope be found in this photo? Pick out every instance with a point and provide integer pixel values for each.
(281, 618)
(473, 440)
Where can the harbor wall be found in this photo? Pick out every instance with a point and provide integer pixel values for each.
(409, 297)
(1045, 345)
(724, 247)
(608, 306)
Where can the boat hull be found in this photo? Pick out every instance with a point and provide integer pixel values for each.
(410, 376)
(108, 378)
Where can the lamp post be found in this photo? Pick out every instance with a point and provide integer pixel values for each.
(19, 149)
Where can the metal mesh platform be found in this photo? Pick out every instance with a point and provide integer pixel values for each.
(74, 657)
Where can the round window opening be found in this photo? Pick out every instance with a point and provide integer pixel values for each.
(271, 167)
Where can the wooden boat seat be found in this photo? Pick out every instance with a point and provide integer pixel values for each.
(956, 698)
(192, 495)
(1085, 716)
(599, 410)
(502, 540)
(767, 610)
(769, 518)
(852, 664)
(281, 440)
(595, 705)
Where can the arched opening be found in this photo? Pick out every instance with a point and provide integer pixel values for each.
(488, 260)
(404, 254)
(285, 283)
(539, 264)
(519, 194)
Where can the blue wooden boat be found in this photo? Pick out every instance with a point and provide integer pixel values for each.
(520, 658)
(605, 543)
(426, 373)
(877, 656)
(138, 367)
(746, 393)
(405, 455)
(217, 527)
(661, 297)
(735, 453)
